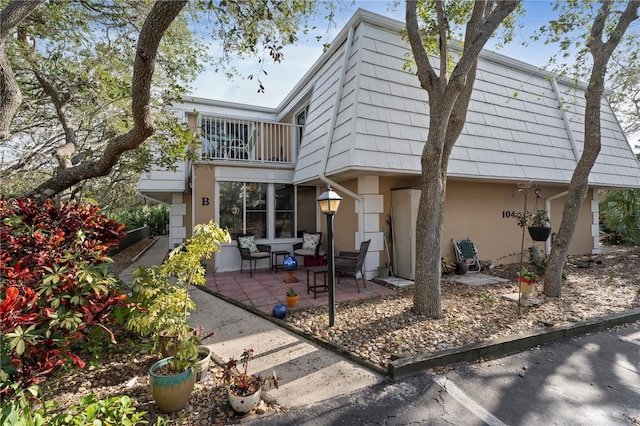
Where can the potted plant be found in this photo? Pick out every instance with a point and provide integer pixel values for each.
(527, 280)
(161, 307)
(292, 297)
(537, 223)
(243, 388)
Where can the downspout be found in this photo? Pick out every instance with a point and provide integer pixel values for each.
(547, 207)
(359, 199)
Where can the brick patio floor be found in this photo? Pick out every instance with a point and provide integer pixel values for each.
(265, 289)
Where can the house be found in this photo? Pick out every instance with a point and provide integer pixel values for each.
(358, 122)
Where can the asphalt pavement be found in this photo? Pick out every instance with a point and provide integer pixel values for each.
(587, 380)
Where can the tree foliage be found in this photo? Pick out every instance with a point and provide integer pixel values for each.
(96, 82)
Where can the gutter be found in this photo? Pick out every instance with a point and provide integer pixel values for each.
(547, 207)
(332, 129)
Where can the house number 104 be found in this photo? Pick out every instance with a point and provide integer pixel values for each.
(507, 213)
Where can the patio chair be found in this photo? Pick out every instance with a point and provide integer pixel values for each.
(466, 252)
(240, 149)
(310, 245)
(251, 251)
(352, 262)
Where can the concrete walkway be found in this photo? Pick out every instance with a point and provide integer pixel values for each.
(309, 373)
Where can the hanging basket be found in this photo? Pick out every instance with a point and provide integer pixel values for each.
(539, 233)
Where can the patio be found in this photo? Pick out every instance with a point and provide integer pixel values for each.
(265, 289)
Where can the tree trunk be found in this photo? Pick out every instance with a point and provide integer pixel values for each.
(10, 95)
(448, 103)
(426, 296)
(579, 184)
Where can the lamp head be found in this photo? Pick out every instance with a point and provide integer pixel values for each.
(329, 201)
(235, 210)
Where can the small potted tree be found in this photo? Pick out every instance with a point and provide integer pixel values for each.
(243, 388)
(537, 222)
(162, 306)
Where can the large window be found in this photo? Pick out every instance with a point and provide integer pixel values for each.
(266, 210)
(243, 207)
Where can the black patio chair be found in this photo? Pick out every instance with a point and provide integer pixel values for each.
(251, 251)
(352, 262)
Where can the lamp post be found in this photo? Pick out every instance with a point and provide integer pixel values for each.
(329, 202)
(234, 212)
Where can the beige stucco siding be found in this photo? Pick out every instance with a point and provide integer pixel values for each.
(483, 212)
(203, 193)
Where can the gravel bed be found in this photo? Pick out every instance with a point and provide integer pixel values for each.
(383, 328)
(376, 329)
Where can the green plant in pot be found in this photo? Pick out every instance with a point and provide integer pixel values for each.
(243, 388)
(292, 297)
(537, 223)
(162, 306)
(527, 280)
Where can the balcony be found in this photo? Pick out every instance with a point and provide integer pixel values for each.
(249, 141)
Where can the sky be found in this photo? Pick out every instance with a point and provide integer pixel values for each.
(299, 58)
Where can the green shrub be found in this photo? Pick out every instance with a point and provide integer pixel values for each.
(620, 213)
(54, 286)
(156, 216)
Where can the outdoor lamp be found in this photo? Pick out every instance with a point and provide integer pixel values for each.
(329, 202)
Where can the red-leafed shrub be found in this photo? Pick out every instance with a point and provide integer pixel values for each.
(54, 284)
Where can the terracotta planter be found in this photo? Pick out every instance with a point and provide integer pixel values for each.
(243, 404)
(292, 301)
(171, 393)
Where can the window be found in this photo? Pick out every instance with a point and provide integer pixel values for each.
(284, 211)
(267, 210)
(255, 220)
(232, 207)
(301, 119)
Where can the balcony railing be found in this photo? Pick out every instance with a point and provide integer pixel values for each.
(232, 139)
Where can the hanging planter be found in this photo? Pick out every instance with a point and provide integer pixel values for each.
(537, 222)
(539, 233)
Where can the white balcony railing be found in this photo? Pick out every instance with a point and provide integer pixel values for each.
(232, 139)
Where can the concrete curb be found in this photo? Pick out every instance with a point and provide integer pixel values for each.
(507, 345)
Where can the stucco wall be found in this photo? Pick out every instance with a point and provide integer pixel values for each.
(203, 192)
(483, 212)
